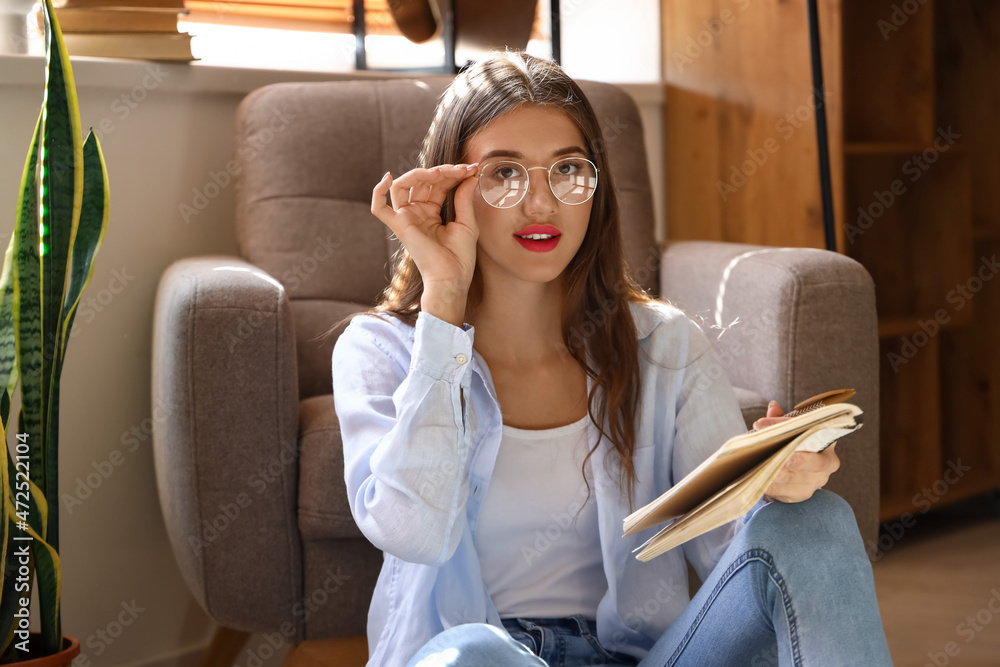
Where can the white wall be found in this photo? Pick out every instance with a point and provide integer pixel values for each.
(163, 129)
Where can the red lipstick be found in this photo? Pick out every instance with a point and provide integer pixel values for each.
(540, 244)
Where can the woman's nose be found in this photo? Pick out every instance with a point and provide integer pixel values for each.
(539, 199)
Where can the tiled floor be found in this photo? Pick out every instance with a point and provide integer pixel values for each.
(938, 584)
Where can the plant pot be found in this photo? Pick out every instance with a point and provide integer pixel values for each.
(64, 658)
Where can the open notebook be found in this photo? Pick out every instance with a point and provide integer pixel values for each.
(731, 481)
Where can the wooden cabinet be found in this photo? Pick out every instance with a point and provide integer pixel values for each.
(913, 108)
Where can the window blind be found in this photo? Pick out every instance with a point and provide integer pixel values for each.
(311, 15)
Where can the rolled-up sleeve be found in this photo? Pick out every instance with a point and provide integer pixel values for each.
(403, 425)
(708, 414)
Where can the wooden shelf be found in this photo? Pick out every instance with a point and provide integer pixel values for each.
(910, 228)
(904, 326)
(910, 418)
(893, 506)
(881, 147)
(896, 147)
(918, 217)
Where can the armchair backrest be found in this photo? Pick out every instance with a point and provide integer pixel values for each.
(308, 156)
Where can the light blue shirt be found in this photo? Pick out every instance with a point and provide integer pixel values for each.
(421, 426)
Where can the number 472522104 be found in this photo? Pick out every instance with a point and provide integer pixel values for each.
(21, 488)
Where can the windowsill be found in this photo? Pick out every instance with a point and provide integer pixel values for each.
(191, 76)
(196, 76)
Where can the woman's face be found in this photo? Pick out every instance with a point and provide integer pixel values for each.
(534, 136)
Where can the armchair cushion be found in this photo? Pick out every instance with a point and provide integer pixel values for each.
(225, 383)
(791, 323)
(324, 512)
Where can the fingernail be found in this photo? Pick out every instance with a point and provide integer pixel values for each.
(772, 404)
(473, 166)
(384, 175)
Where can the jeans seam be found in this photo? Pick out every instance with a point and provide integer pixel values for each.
(786, 601)
(753, 554)
(534, 644)
(594, 642)
(530, 627)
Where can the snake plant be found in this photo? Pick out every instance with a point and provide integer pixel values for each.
(60, 222)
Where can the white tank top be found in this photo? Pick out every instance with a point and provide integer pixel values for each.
(539, 558)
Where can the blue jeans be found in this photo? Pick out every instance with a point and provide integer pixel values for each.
(784, 593)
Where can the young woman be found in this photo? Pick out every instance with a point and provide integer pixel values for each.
(493, 443)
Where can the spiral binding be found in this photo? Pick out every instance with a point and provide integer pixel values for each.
(795, 413)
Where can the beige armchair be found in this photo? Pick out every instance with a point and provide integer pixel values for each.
(249, 466)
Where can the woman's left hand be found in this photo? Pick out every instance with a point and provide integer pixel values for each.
(804, 472)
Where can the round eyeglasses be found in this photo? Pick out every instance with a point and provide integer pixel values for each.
(572, 180)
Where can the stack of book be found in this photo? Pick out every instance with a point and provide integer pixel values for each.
(144, 29)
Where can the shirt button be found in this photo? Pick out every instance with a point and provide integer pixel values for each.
(461, 358)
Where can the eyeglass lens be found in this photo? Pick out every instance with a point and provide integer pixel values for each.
(572, 180)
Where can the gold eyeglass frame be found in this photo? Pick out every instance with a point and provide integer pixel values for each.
(548, 180)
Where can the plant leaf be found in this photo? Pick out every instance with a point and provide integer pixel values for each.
(9, 603)
(8, 596)
(62, 196)
(25, 304)
(27, 204)
(48, 568)
(8, 351)
(90, 232)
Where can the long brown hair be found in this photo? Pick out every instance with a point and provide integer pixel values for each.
(599, 284)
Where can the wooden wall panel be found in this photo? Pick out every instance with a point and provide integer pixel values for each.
(889, 66)
(967, 37)
(738, 79)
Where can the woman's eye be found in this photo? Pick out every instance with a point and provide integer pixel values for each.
(568, 167)
(506, 171)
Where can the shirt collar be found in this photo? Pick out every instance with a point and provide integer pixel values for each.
(647, 316)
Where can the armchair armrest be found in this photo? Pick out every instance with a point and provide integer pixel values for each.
(225, 438)
(800, 321)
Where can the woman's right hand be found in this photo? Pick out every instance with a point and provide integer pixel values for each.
(445, 254)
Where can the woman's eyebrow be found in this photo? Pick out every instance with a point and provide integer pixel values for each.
(515, 154)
